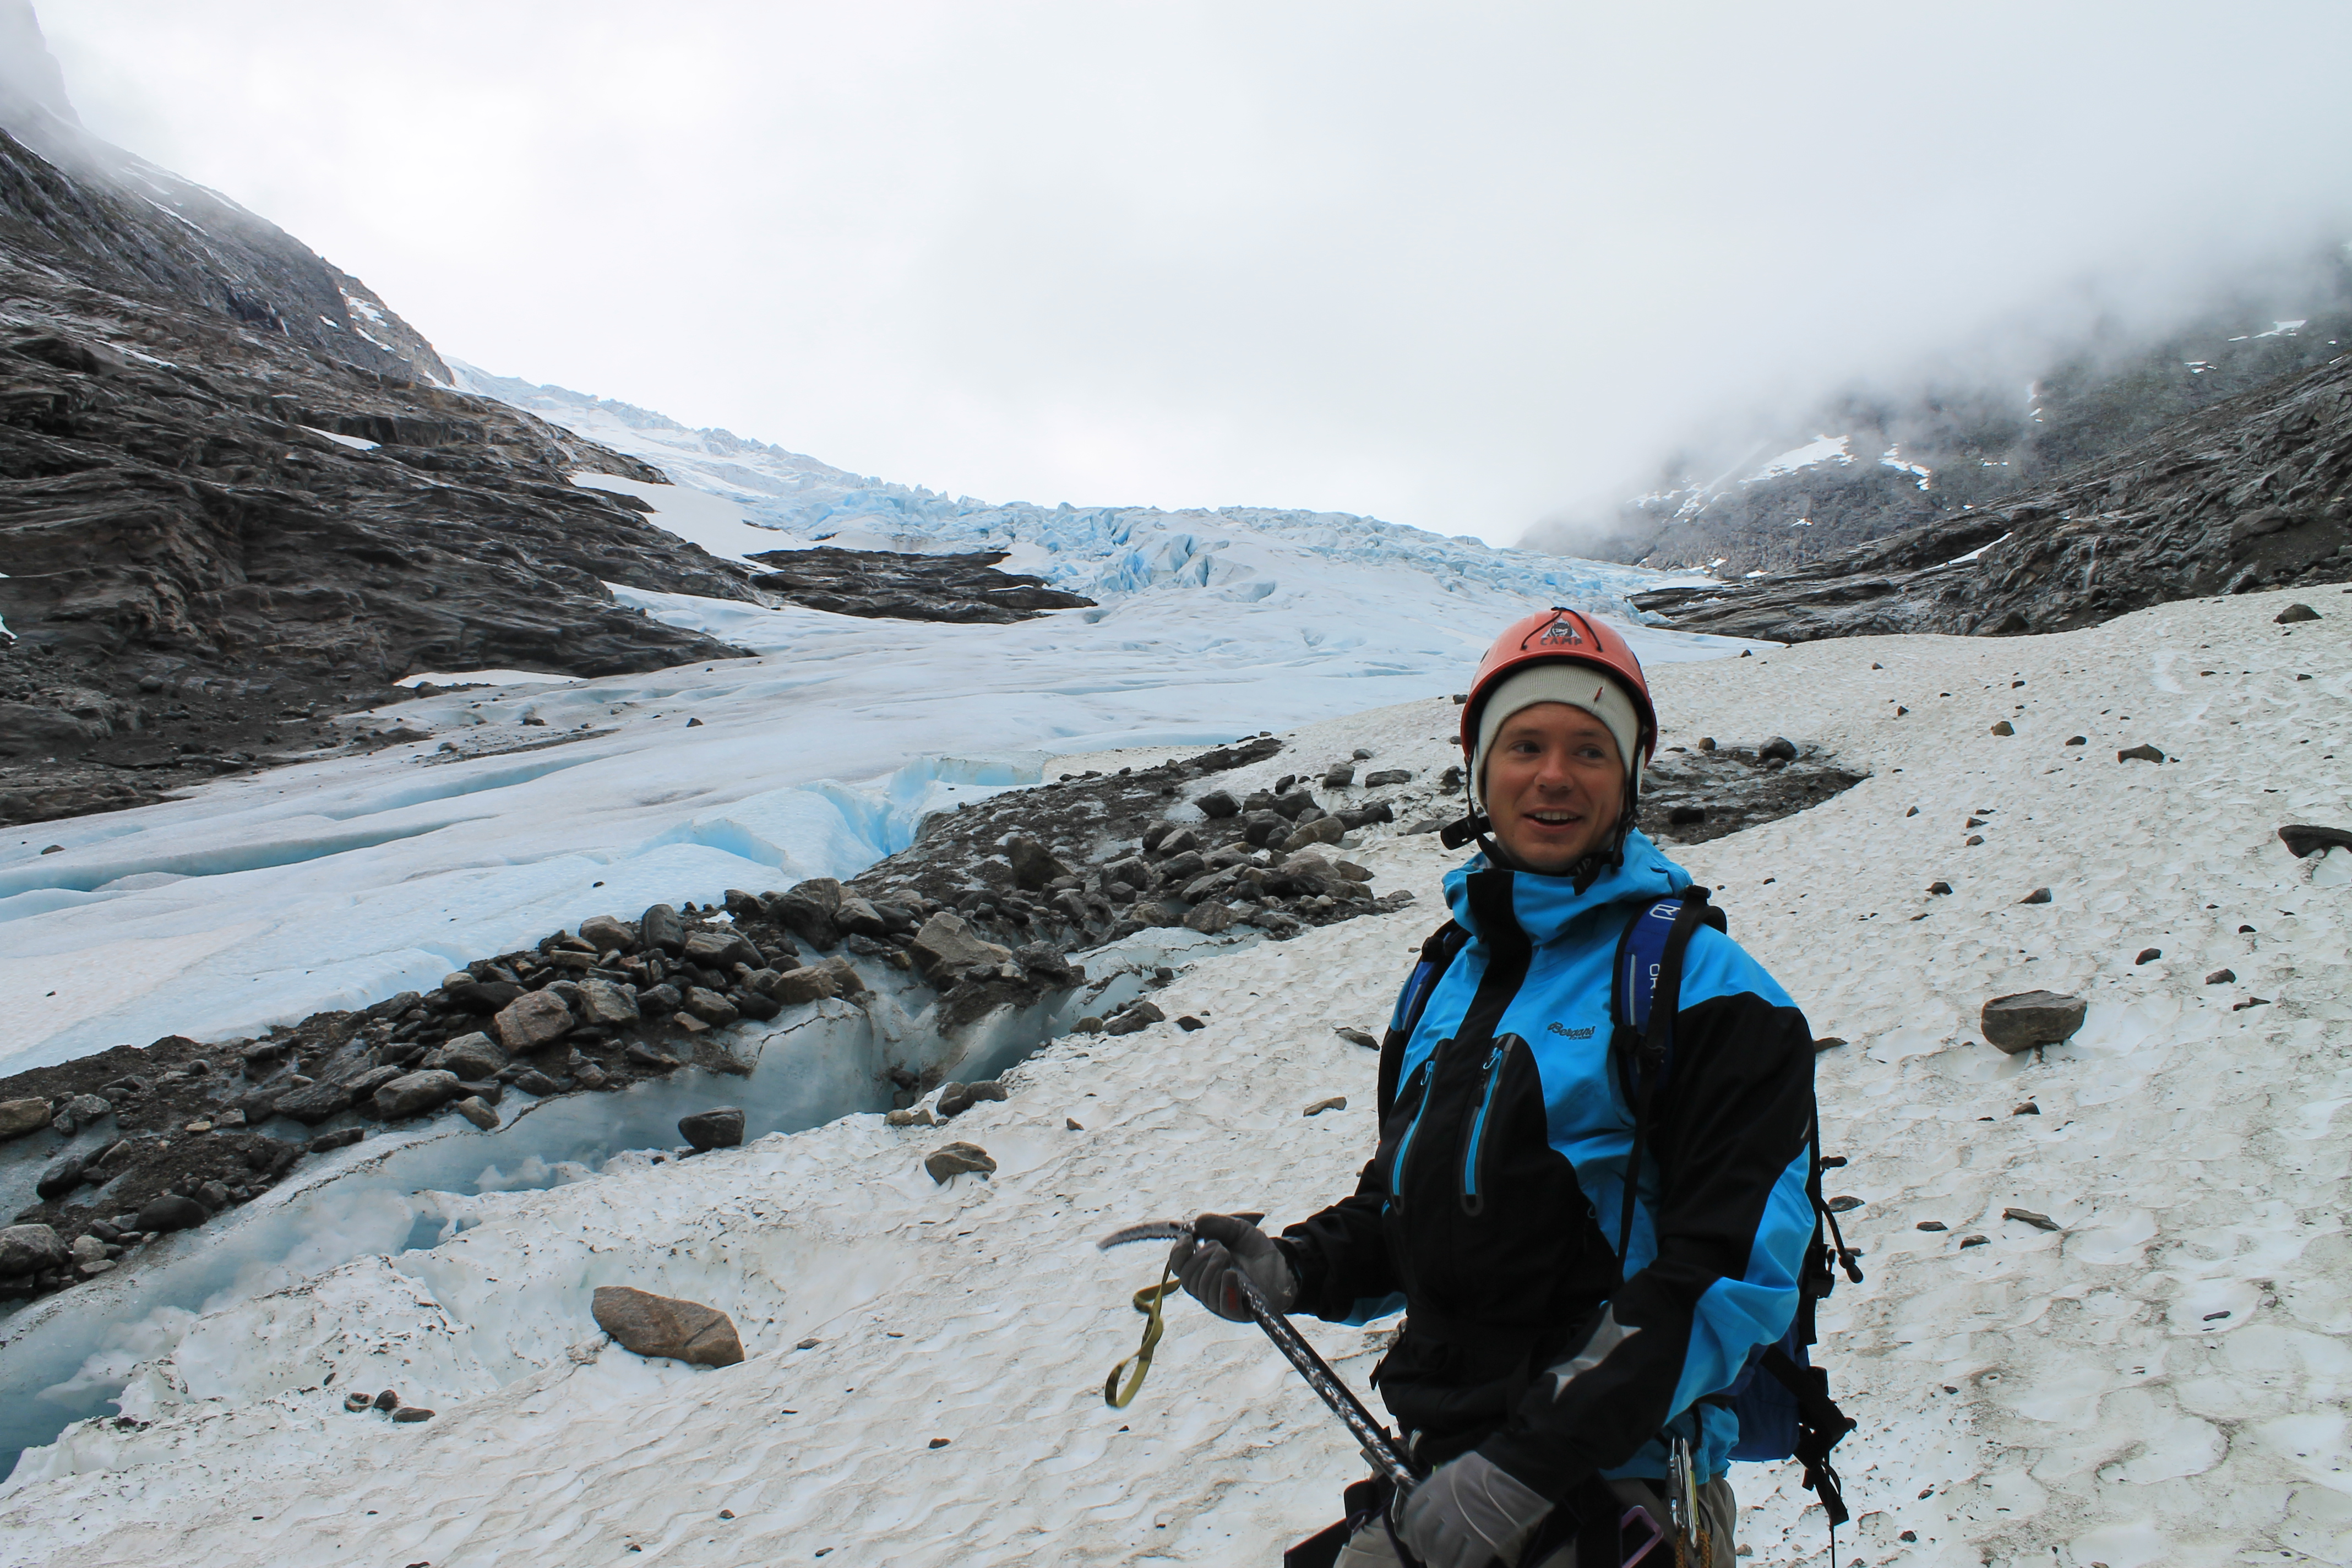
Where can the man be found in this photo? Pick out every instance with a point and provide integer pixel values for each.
(1540, 1378)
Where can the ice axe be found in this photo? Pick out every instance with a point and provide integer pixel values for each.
(1378, 1447)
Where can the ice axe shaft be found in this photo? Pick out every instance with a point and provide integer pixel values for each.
(1369, 1434)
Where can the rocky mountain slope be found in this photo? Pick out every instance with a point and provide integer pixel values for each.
(2255, 492)
(1877, 460)
(238, 496)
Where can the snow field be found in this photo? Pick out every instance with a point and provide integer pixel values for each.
(2098, 1411)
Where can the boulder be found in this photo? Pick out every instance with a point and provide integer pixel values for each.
(2295, 613)
(1181, 867)
(478, 1111)
(607, 933)
(809, 984)
(364, 1086)
(946, 947)
(659, 1001)
(659, 928)
(750, 1003)
(1323, 830)
(2300, 838)
(1218, 804)
(955, 1099)
(721, 949)
(1340, 775)
(1332, 1102)
(858, 916)
(2038, 896)
(80, 1110)
(2139, 754)
(414, 1094)
(1260, 828)
(29, 1249)
(62, 1176)
(610, 1003)
(474, 1055)
(315, 1103)
(806, 909)
(1383, 777)
(951, 1160)
(1136, 1016)
(651, 1325)
(1294, 803)
(532, 1021)
(2003, 727)
(847, 981)
(483, 995)
(709, 1006)
(173, 1212)
(1034, 866)
(18, 1117)
(1780, 748)
(2030, 1018)
(720, 1126)
(342, 1137)
(1356, 1038)
(1211, 918)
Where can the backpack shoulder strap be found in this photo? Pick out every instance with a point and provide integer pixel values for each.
(1645, 994)
(1437, 954)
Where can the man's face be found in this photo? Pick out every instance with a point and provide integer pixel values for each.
(1555, 785)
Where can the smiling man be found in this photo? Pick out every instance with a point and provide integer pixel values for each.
(1568, 1342)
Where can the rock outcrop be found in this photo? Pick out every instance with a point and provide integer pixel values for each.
(878, 583)
(240, 497)
(2254, 493)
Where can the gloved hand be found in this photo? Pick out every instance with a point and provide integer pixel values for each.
(1468, 1511)
(1221, 1245)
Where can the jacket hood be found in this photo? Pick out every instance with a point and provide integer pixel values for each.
(1546, 905)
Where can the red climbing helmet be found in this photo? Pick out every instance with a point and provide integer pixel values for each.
(1562, 634)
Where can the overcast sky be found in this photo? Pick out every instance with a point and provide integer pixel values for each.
(1451, 265)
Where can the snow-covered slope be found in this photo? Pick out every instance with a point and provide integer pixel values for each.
(2161, 1379)
(263, 899)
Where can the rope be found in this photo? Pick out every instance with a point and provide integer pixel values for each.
(1148, 1301)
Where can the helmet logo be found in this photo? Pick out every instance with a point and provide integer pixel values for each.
(1561, 632)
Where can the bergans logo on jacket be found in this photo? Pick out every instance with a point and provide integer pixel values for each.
(1504, 1145)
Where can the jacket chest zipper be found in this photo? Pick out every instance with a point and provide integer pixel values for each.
(1404, 1144)
(1473, 1201)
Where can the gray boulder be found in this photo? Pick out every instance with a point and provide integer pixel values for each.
(478, 1111)
(532, 1021)
(62, 1176)
(470, 1057)
(606, 933)
(720, 1126)
(953, 1159)
(807, 983)
(607, 1001)
(806, 909)
(653, 1325)
(1211, 918)
(1322, 830)
(18, 1117)
(1034, 866)
(173, 1212)
(2030, 1018)
(315, 1103)
(721, 949)
(414, 1094)
(858, 916)
(29, 1249)
(1383, 777)
(1218, 803)
(660, 928)
(1340, 775)
(710, 1006)
(946, 947)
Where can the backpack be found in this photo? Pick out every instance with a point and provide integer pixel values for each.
(1788, 1415)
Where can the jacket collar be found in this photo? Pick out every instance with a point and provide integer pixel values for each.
(1546, 905)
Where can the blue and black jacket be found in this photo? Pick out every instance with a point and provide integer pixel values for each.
(1490, 1212)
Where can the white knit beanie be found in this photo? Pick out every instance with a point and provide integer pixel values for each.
(1578, 686)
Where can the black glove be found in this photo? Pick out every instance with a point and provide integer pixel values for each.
(1221, 1245)
(1468, 1512)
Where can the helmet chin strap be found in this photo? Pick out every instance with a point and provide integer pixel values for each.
(1475, 825)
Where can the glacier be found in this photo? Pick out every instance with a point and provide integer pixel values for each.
(260, 899)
